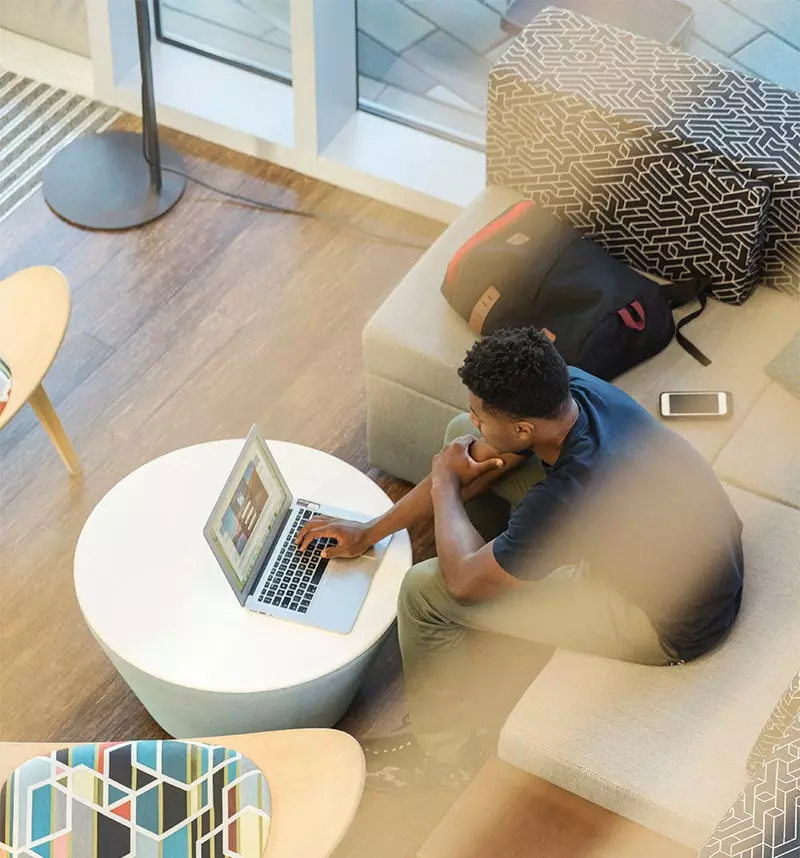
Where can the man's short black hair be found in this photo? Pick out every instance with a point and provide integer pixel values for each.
(519, 372)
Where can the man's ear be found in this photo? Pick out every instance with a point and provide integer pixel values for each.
(526, 431)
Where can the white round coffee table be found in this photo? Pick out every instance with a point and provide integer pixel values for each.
(157, 602)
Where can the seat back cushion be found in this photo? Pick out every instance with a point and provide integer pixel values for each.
(142, 799)
(763, 455)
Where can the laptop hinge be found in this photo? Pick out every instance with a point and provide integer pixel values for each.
(308, 504)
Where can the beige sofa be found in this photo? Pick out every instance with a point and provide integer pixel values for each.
(664, 747)
(61, 23)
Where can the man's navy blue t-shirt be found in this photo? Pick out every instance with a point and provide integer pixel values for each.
(644, 509)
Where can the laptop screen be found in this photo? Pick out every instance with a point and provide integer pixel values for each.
(252, 504)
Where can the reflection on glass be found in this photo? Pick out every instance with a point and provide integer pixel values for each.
(249, 33)
(426, 62)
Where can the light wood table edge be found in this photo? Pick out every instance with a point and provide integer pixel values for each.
(316, 779)
(44, 282)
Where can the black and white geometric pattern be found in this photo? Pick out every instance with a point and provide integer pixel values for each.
(783, 716)
(764, 821)
(671, 162)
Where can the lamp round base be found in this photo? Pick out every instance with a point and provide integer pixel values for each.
(102, 181)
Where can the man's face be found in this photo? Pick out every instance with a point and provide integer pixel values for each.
(504, 434)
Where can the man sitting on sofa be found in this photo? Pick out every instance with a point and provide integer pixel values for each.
(614, 538)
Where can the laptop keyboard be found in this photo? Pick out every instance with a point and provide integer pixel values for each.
(295, 574)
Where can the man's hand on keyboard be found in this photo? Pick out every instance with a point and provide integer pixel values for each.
(352, 537)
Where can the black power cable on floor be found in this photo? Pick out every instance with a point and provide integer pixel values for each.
(276, 209)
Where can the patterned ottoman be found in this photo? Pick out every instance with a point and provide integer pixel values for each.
(674, 164)
(763, 821)
(143, 799)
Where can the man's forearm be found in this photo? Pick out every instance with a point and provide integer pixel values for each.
(456, 537)
(415, 508)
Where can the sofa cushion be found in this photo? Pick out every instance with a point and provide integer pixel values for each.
(667, 747)
(416, 339)
(764, 454)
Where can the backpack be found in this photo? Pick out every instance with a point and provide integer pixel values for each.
(527, 267)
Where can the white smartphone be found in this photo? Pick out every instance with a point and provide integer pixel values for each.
(696, 404)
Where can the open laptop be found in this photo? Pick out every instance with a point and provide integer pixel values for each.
(252, 531)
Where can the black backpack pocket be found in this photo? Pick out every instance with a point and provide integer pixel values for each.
(625, 338)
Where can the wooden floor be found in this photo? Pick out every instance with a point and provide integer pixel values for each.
(188, 330)
(185, 331)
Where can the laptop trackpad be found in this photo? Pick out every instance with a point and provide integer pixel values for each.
(342, 594)
(351, 575)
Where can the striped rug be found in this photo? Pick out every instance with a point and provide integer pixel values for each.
(36, 121)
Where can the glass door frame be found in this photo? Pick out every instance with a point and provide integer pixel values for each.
(313, 126)
(209, 54)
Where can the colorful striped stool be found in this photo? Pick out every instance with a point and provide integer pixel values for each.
(140, 799)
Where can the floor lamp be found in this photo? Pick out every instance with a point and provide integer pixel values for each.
(115, 180)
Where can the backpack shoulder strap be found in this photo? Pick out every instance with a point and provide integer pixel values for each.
(681, 293)
(685, 291)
